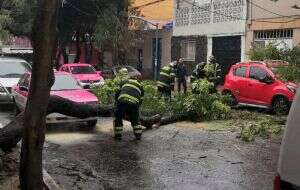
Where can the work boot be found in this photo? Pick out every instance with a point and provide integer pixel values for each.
(138, 136)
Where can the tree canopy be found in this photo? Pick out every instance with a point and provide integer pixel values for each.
(103, 23)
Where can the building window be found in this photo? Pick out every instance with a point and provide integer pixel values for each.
(188, 50)
(281, 38)
(257, 73)
(240, 72)
(274, 34)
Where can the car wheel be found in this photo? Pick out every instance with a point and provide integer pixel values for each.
(16, 109)
(281, 105)
(92, 124)
(231, 99)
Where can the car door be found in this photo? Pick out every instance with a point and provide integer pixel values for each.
(258, 92)
(240, 83)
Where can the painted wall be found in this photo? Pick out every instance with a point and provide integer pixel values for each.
(297, 36)
(281, 7)
(162, 10)
(146, 45)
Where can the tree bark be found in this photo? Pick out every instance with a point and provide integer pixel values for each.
(43, 41)
(91, 50)
(78, 48)
(11, 134)
(64, 53)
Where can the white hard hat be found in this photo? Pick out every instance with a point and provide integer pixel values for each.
(123, 71)
(173, 63)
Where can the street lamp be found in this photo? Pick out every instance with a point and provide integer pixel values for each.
(156, 42)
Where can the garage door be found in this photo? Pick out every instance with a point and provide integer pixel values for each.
(227, 51)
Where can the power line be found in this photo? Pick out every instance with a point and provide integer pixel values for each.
(79, 10)
(262, 8)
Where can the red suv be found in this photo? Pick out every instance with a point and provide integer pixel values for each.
(254, 84)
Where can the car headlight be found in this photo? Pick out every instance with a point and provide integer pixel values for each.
(291, 88)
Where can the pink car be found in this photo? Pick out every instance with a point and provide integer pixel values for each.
(66, 87)
(85, 74)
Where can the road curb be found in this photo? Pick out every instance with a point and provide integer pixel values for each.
(49, 182)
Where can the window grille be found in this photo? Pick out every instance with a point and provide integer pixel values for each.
(188, 50)
(274, 34)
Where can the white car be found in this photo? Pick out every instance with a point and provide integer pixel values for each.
(11, 70)
(288, 177)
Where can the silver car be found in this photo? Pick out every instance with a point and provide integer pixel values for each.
(11, 71)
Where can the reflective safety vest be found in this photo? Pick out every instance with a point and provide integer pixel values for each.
(131, 91)
(166, 77)
(197, 74)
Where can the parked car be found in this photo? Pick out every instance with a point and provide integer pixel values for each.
(288, 177)
(109, 73)
(85, 74)
(11, 71)
(254, 84)
(66, 87)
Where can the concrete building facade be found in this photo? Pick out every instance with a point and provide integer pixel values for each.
(273, 22)
(229, 28)
(220, 23)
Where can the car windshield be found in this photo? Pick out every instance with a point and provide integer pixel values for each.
(11, 69)
(65, 82)
(82, 70)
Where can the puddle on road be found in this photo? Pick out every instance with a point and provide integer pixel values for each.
(76, 134)
(68, 138)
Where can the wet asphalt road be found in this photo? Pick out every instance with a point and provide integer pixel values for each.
(177, 157)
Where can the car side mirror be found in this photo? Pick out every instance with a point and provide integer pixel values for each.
(23, 88)
(87, 87)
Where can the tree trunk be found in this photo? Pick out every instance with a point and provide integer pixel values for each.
(11, 134)
(86, 49)
(43, 41)
(59, 53)
(78, 48)
(65, 55)
(91, 49)
(115, 55)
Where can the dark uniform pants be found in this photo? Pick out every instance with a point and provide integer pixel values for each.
(131, 111)
(164, 91)
(182, 81)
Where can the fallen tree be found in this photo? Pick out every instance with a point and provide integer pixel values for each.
(12, 133)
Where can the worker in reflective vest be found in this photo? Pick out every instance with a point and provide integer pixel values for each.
(166, 79)
(128, 101)
(199, 72)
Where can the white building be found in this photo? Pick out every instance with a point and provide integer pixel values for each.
(221, 26)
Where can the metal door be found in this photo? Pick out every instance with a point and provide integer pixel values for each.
(227, 51)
